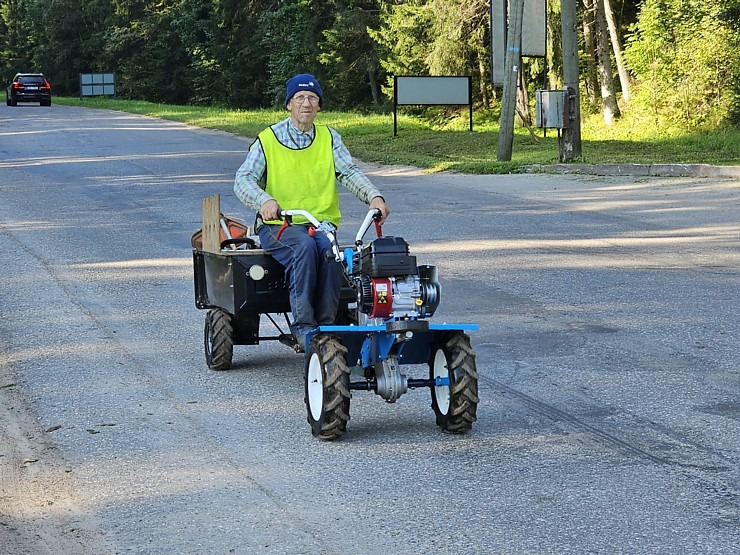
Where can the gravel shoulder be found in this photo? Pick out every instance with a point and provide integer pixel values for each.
(40, 511)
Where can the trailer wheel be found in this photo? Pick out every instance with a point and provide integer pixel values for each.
(327, 387)
(454, 404)
(218, 339)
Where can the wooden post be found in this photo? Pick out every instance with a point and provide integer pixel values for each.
(511, 68)
(569, 143)
(212, 223)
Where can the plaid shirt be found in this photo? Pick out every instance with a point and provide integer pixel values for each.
(250, 179)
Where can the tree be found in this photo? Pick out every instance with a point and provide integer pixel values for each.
(74, 43)
(459, 41)
(685, 56)
(590, 72)
(435, 37)
(152, 63)
(16, 44)
(610, 107)
(624, 77)
(403, 40)
(291, 34)
(349, 54)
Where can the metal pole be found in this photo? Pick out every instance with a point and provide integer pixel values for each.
(395, 105)
(470, 101)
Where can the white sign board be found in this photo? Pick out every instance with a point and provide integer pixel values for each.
(534, 34)
(498, 41)
(97, 84)
(534, 28)
(432, 90)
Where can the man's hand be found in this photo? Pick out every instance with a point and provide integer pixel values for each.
(379, 203)
(270, 210)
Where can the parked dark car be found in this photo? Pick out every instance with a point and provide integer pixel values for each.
(28, 87)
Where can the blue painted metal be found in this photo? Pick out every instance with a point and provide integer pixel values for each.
(369, 345)
(348, 252)
(376, 348)
(442, 381)
(381, 328)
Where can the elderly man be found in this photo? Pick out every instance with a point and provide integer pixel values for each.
(296, 164)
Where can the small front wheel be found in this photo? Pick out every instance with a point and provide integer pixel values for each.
(455, 400)
(327, 387)
(218, 339)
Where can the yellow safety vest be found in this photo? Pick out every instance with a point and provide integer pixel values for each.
(303, 179)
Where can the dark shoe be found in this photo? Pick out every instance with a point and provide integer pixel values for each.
(290, 341)
(300, 344)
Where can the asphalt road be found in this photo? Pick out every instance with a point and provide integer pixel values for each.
(608, 355)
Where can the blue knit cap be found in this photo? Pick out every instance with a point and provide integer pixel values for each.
(303, 82)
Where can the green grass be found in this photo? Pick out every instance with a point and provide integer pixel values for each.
(447, 144)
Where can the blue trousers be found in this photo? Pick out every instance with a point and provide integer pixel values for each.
(313, 277)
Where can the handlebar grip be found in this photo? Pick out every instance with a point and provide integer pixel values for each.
(239, 241)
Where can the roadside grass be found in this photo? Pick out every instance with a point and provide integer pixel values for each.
(447, 144)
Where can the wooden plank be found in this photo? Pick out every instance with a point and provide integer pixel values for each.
(212, 224)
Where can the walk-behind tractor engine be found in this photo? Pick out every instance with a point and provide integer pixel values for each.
(389, 283)
(382, 325)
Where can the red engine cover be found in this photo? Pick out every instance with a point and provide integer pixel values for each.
(382, 298)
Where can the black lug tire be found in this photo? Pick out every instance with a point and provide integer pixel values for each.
(327, 387)
(454, 356)
(218, 339)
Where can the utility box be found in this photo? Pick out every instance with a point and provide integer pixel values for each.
(552, 109)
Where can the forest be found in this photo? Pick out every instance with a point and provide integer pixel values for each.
(676, 61)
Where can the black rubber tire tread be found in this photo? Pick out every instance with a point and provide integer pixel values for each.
(463, 383)
(218, 338)
(332, 424)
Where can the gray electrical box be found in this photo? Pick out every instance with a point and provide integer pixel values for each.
(552, 109)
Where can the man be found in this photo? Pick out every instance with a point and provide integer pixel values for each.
(296, 164)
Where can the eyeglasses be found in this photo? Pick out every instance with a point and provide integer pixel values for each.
(312, 99)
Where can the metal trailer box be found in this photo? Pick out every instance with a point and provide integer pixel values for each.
(224, 281)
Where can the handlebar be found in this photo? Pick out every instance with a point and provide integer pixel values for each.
(372, 217)
(287, 215)
(325, 227)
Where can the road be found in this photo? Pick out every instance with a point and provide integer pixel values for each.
(608, 355)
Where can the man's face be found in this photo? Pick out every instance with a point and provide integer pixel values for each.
(303, 109)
